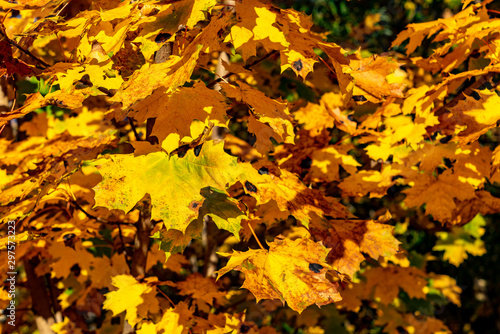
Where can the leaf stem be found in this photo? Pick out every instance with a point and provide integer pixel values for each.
(164, 295)
(255, 236)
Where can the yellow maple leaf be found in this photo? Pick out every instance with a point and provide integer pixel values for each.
(387, 281)
(291, 271)
(133, 297)
(438, 194)
(477, 115)
(349, 239)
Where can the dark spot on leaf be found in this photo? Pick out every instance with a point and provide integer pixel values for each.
(76, 270)
(181, 151)
(359, 98)
(244, 328)
(297, 65)
(263, 170)
(197, 150)
(446, 139)
(154, 12)
(15, 14)
(106, 91)
(250, 187)
(115, 320)
(56, 229)
(393, 190)
(475, 54)
(350, 117)
(86, 80)
(315, 267)
(194, 205)
(401, 330)
(103, 291)
(162, 37)
(306, 163)
(68, 236)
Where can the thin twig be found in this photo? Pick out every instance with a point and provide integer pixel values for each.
(246, 67)
(98, 219)
(122, 241)
(62, 49)
(13, 43)
(324, 62)
(134, 129)
(6, 14)
(62, 8)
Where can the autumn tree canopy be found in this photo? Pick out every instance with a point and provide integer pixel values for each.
(222, 167)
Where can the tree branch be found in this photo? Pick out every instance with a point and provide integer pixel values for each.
(13, 43)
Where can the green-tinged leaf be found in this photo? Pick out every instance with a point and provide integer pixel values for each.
(174, 241)
(173, 183)
(223, 210)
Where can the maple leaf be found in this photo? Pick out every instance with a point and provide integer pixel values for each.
(370, 76)
(35, 101)
(495, 166)
(96, 77)
(173, 183)
(349, 239)
(64, 258)
(224, 211)
(447, 286)
(477, 115)
(186, 105)
(9, 64)
(297, 62)
(426, 325)
(438, 194)
(387, 281)
(314, 117)
(176, 320)
(268, 111)
(370, 181)
(318, 117)
(202, 289)
(292, 195)
(65, 327)
(462, 241)
(326, 163)
(170, 74)
(174, 241)
(136, 299)
(291, 271)
(257, 25)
